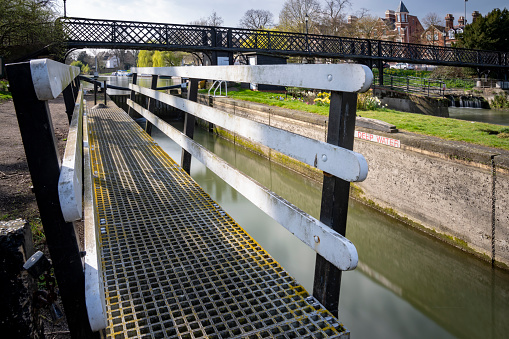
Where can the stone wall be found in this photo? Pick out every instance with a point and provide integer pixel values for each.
(442, 187)
(413, 103)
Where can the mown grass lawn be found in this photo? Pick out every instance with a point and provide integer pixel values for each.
(450, 129)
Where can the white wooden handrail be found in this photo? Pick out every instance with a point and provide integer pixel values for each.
(70, 182)
(333, 77)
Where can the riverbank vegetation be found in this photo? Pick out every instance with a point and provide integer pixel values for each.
(368, 106)
(4, 91)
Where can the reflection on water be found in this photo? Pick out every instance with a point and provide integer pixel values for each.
(490, 116)
(407, 285)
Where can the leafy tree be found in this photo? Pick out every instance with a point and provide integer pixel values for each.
(257, 19)
(26, 26)
(490, 32)
(159, 59)
(145, 59)
(82, 56)
(293, 15)
(85, 69)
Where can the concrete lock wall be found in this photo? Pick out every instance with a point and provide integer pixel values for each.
(442, 187)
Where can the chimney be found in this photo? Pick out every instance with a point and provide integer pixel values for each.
(390, 15)
(461, 21)
(475, 15)
(449, 21)
(352, 19)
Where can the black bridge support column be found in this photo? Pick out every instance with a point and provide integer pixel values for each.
(335, 195)
(43, 160)
(192, 95)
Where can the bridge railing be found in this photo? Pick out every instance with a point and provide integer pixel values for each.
(335, 157)
(409, 84)
(131, 34)
(57, 185)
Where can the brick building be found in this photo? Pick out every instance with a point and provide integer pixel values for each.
(439, 35)
(398, 25)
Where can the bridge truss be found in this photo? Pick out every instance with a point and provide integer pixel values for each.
(95, 33)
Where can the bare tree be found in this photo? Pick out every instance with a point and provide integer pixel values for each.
(257, 19)
(293, 15)
(369, 27)
(433, 24)
(333, 16)
(215, 20)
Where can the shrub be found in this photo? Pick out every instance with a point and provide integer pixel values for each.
(500, 101)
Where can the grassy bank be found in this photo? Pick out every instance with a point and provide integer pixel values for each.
(450, 129)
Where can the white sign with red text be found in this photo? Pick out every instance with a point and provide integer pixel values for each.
(377, 138)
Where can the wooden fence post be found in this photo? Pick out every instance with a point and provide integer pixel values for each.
(151, 104)
(43, 160)
(335, 195)
(192, 95)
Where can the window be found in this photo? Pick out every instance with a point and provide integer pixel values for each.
(428, 37)
(451, 34)
(436, 36)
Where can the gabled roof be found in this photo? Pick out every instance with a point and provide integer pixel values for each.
(402, 8)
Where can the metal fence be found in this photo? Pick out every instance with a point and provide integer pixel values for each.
(409, 84)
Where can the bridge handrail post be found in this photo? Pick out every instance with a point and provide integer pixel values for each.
(32, 111)
(151, 104)
(105, 88)
(335, 195)
(132, 96)
(189, 119)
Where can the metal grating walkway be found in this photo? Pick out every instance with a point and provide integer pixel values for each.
(174, 263)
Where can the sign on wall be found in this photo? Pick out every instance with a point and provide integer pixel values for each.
(378, 139)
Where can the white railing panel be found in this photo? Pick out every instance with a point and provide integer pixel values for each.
(94, 284)
(50, 78)
(324, 240)
(330, 77)
(343, 163)
(70, 182)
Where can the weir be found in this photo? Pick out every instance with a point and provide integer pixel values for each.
(162, 259)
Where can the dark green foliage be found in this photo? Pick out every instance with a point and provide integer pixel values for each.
(489, 33)
(27, 26)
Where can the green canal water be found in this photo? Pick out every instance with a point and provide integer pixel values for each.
(407, 285)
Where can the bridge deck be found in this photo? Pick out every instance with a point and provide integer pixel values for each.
(174, 263)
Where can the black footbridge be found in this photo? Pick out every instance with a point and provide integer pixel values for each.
(95, 33)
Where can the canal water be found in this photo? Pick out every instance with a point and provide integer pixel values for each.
(490, 116)
(407, 284)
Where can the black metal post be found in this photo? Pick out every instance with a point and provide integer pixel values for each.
(192, 95)
(151, 104)
(335, 195)
(43, 160)
(131, 111)
(95, 93)
(105, 88)
(69, 101)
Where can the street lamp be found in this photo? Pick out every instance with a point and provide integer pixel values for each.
(307, 19)
(465, 24)
(65, 9)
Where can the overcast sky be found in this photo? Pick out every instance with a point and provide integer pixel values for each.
(184, 11)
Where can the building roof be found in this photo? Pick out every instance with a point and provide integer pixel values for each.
(402, 8)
